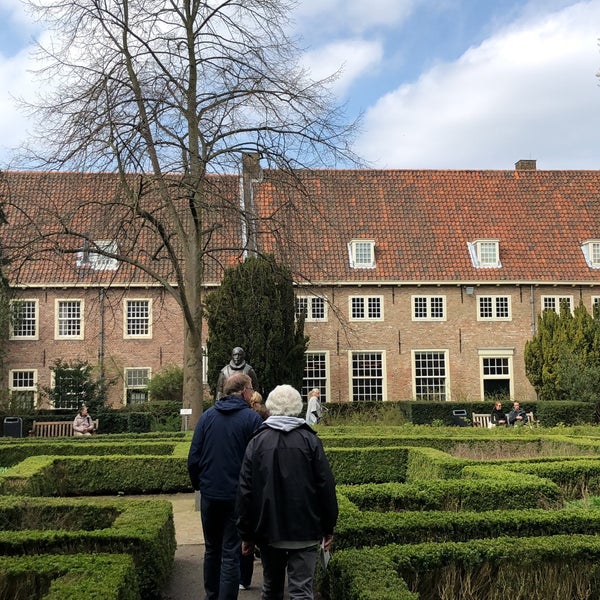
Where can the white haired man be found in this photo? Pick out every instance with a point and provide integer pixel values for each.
(286, 498)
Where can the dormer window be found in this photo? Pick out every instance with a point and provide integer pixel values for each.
(95, 260)
(362, 254)
(485, 254)
(591, 251)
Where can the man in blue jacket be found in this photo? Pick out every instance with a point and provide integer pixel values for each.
(214, 463)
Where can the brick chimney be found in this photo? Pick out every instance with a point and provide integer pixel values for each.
(525, 165)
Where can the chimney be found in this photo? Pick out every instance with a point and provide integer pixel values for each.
(525, 165)
(251, 174)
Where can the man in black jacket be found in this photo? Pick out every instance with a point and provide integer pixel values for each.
(286, 499)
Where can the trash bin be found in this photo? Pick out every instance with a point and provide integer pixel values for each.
(13, 427)
(460, 418)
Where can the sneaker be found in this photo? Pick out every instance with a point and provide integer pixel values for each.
(244, 587)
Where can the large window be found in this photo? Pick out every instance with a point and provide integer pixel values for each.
(555, 302)
(69, 319)
(315, 374)
(430, 375)
(366, 308)
(137, 319)
(68, 386)
(24, 319)
(367, 376)
(493, 308)
(496, 370)
(23, 389)
(429, 308)
(313, 307)
(136, 385)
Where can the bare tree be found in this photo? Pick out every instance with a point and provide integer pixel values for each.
(176, 93)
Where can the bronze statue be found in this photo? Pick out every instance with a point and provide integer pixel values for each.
(237, 364)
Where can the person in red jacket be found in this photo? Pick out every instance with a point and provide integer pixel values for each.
(286, 502)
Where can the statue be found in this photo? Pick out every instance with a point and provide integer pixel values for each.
(237, 364)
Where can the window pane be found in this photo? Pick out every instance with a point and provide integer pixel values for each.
(502, 307)
(23, 318)
(420, 308)
(374, 304)
(367, 376)
(358, 308)
(138, 317)
(136, 382)
(437, 307)
(315, 374)
(485, 307)
(69, 318)
(430, 375)
(318, 309)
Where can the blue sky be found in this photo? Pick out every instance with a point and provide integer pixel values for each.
(443, 84)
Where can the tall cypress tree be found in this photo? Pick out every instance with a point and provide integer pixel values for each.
(562, 361)
(255, 308)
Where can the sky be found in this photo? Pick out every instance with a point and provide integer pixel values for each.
(440, 84)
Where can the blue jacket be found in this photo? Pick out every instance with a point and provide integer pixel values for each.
(218, 447)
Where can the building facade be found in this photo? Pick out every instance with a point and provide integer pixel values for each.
(414, 284)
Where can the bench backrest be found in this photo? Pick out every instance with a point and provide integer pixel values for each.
(55, 428)
(480, 420)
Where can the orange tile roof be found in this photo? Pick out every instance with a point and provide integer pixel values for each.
(421, 221)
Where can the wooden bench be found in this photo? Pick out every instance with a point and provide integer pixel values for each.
(55, 428)
(484, 420)
(480, 420)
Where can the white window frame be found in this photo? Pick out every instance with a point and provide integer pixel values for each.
(314, 381)
(437, 396)
(481, 256)
(361, 254)
(555, 300)
(595, 302)
(33, 388)
(497, 353)
(36, 319)
(97, 261)
(383, 378)
(136, 336)
(58, 320)
(365, 299)
(429, 300)
(495, 299)
(591, 252)
(312, 306)
(126, 383)
(75, 403)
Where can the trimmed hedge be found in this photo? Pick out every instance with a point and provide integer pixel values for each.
(51, 577)
(143, 529)
(565, 567)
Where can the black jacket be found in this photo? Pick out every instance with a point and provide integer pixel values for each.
(287, 490)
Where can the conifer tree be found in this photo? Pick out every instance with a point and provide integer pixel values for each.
(255, 308)
(562, 361)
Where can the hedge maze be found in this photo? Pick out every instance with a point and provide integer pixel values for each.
(425, 513)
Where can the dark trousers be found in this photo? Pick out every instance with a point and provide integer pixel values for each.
(221, 549)
(246, 569)
(300, 565)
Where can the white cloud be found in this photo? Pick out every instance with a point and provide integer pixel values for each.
(530, 91)
(353, 15)
(354, 57)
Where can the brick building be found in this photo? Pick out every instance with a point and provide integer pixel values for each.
(416, 283)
